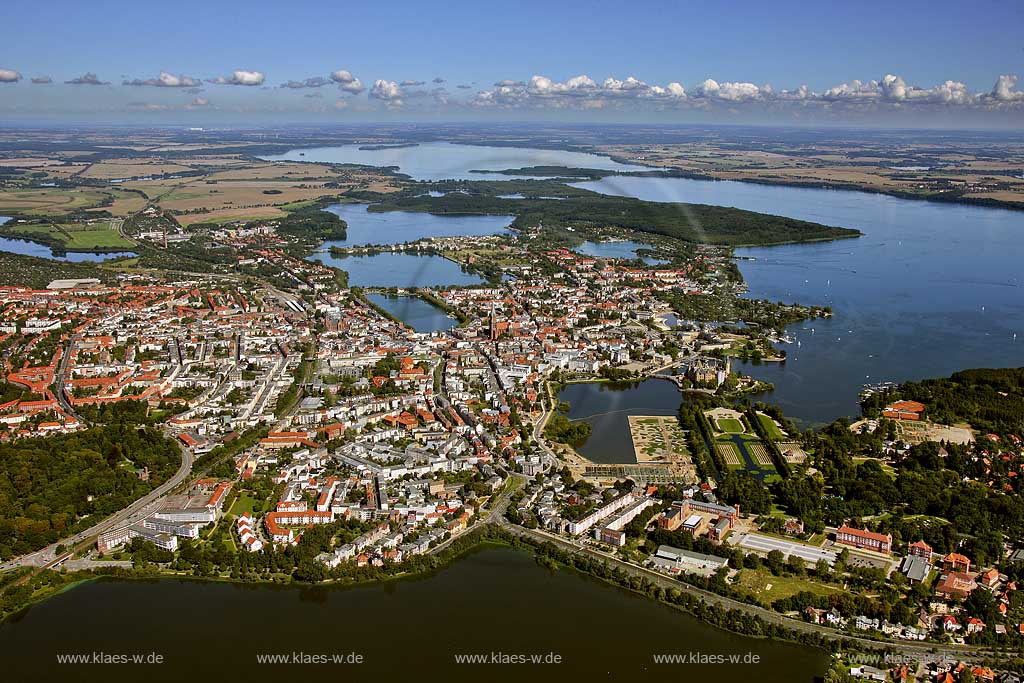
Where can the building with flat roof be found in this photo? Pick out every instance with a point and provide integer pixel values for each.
(677, 560)
(693, 525)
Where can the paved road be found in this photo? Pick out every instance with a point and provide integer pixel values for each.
(918, 650)
(141, 508)
(496, 513)
(58, 381)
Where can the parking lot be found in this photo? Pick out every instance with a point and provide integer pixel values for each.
(766, 544)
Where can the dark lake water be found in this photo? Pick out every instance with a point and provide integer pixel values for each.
(29, 248)
(607, 406)
(396, 269)
(443, 160)
(930, 288)
(393, 227)
(418, 314)
(494, 600)
(624, 249)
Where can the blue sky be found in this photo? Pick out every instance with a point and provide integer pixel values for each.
(752, 51)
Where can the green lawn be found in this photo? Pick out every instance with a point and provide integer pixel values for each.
(95, 236)
(75, 236)
(245, 503)
(761, 583)
(730, 425)
(770, 427)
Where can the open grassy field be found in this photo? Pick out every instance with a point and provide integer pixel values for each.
(229, 215)
(245, 503)
(210, 197)
(131, 168)
(50, 200)
(764, 585)
(74, 236)
(153, 188)
(770, 427)
(729, 425)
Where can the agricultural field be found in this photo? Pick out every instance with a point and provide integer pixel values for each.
(50, 201)
(921, 170)
(131, 168)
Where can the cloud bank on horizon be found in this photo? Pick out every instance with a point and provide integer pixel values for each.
(583, 92)
(890, 93)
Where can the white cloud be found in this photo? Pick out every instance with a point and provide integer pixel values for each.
(1005, 89)
(88, 78)
(166, 80)
(388, 91)
(675, 89)
(411, 84)
(891, 92)
(730, 91)
(953, 92)
(854, 90)
(347, 81)
(9, 76)
(240, 77)
(542, 86)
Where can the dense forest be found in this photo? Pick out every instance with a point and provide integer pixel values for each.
(52, 487)
(990, 400)
(313, 224)
(563, 430)
(36, 272)
(711, 308)
(581, 209)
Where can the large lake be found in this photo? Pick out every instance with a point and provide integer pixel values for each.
(418, 314)
(29, 248)
(494, 600)
(444, 161)
(931, 288)
(397, 269)
(394, 227)
(607, 406)
(619, 249)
